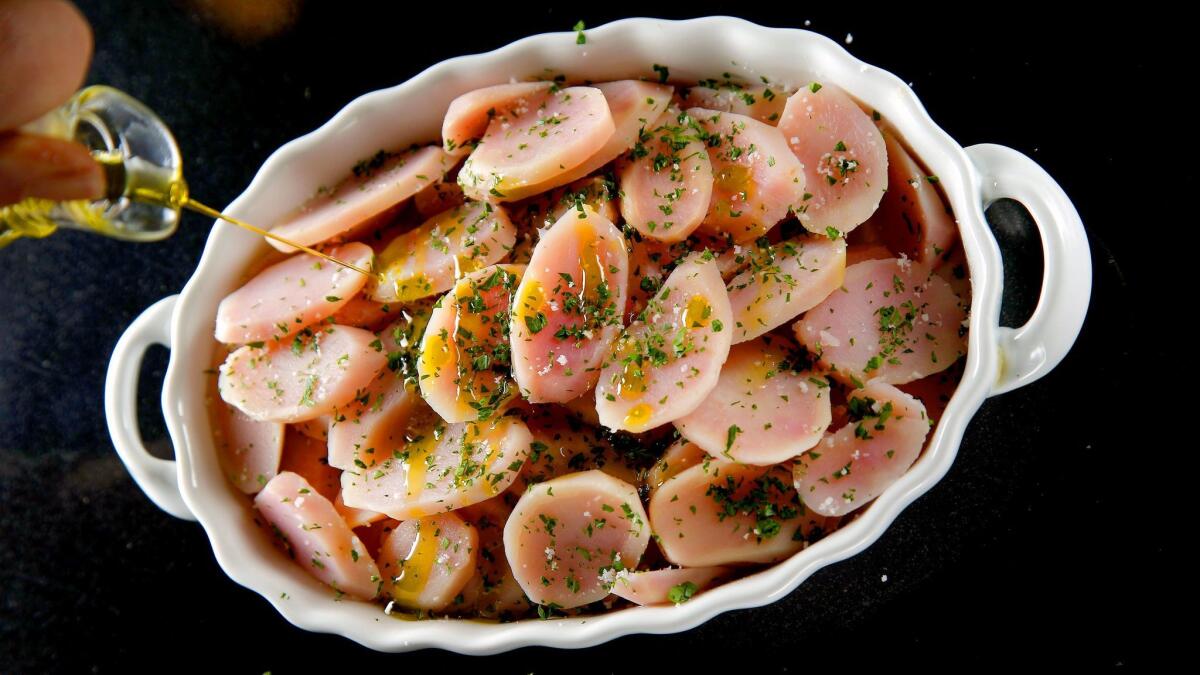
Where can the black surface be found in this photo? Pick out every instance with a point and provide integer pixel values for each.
(1046, 542)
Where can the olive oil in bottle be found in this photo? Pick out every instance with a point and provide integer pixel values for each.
(146, 191)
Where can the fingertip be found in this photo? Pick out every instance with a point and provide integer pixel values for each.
(45, 51)
(49, 168)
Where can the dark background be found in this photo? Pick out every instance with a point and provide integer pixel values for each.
(1046, 543)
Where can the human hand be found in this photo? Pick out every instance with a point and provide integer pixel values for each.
(45, 49)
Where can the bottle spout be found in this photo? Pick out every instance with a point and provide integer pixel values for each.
(142, 167)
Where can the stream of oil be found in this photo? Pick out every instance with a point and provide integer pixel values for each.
(193, 205)
(31, 218)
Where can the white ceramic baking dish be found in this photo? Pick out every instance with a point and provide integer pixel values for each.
(998, 360)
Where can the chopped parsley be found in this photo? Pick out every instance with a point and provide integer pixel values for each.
(681, 593)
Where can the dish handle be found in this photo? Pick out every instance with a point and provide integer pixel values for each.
(1030, 351)
(158, 478)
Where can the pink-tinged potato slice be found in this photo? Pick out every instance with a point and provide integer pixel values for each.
(764, 103)
(437, 198)
(570, 539)
(783, 281)
(249, 451)
(665, 364)
(894, 323)
(634, 106)
(442, 468)
(427, 260)
(533, 150)
(378, 184)
(306, 457)
(856, 463)
(718, 513)
(305, 380)
(757, 181)
(913, 219)
(374, 425)
(763, 410)
(356, 518)
(861, 253)
(291, 295)
(493, 592)
(425, 562)
(666, 587)
(568, 307)
(470, 114)
(681, 455)
(363, 312)
(563, 444)
(667, 181)
(464, 364)
(316, 536)
(843, 154)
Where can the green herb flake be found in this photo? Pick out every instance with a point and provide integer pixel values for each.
(535, 323)
(730, 436)
(310, 386)
(681, 593)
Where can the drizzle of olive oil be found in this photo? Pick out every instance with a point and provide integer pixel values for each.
(417, 463)
(734, 182)
(435, 354)
(764, 367)
(632, 383)
(697, 312)
(532, 302)
(590, 262)
(417, 565)
(448, 354)
(187, 202)
(32, 217)
(637, 416)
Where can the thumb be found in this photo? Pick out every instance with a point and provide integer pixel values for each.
(50, 168)
(45, 48)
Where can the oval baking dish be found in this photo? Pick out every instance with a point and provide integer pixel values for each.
(998, 359)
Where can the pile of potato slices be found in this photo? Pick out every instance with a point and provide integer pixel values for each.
(622, 342)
